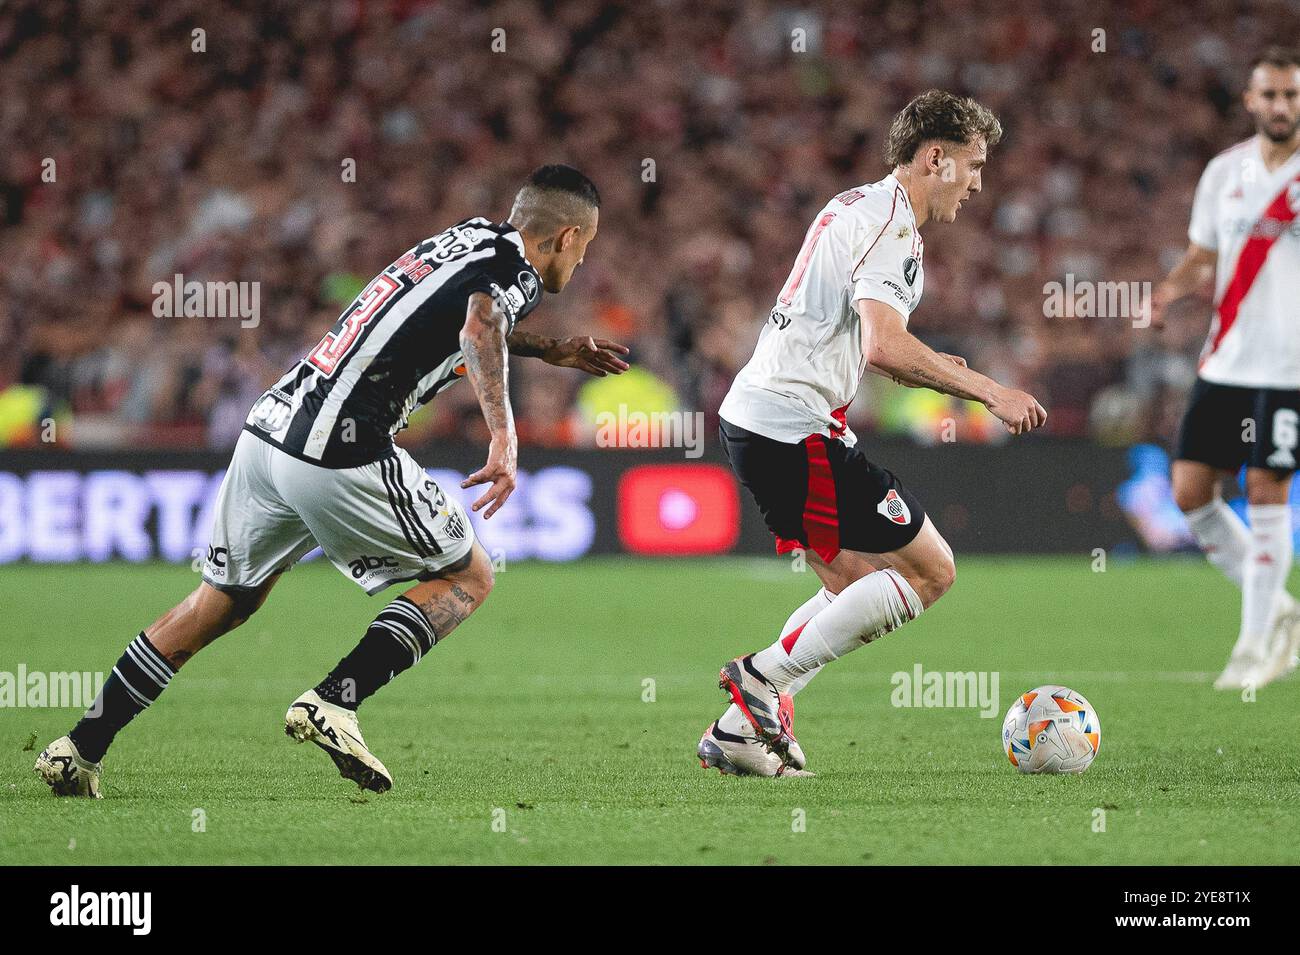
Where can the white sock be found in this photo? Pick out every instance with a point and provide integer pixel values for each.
(1267, 566)
(868, 608)
(802, 680)
(733, 721)
(1222, 536)
(819, 602)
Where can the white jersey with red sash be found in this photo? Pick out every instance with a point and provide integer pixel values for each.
(1248, 215)
(808, 362)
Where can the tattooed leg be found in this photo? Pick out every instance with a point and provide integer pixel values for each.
(446, 610)
(407, 629)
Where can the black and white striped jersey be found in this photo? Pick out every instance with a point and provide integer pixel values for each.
(395, 346)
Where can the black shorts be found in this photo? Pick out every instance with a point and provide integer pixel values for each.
(1227, 426)
(822, 495)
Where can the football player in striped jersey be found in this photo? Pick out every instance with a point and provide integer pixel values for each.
(317, 465)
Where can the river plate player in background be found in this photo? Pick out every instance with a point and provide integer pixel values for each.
(1245, 406)
(317, 465)
(844, 309)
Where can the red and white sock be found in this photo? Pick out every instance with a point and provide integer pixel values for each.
(819, 602)
(868, 608)
(1267, 566)
(1222, 537)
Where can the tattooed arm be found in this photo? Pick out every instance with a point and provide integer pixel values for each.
(888, 346)
(595, 356)
(529, 345)
(483, 342)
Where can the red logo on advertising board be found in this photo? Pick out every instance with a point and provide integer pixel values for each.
(678, 509)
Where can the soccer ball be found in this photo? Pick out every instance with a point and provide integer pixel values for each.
(1051, 729)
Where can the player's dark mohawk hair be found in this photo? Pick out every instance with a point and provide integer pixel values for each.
(562, 178)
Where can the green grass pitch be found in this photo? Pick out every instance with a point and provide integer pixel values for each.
(533, 717)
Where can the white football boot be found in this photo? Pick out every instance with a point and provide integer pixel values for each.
(1243, 669)
(335, 730)
(757, 698)
(770, 713)
(1291, 615)
(1284, 641)
(794, 751)
(735, 755)
(64, 771)
(741, 754)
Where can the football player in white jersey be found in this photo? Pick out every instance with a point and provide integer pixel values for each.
(1245, 405)
(843, 311)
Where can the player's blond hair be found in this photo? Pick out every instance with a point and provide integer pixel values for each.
(937, 115)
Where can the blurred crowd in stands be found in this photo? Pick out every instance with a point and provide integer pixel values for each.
(138, 149)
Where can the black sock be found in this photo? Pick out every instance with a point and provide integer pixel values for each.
(140, 675)
(399, 636)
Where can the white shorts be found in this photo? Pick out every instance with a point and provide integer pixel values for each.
(380, 524)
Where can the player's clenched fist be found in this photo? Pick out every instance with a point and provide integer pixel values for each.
(1018, 410)
(499, 472)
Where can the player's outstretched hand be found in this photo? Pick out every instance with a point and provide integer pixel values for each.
(499, 472)
(595, 356)
(1018, 410)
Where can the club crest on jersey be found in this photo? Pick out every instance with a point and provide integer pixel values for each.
(455, 527)
(893, 508)
(1293, 197)
(910, 265)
